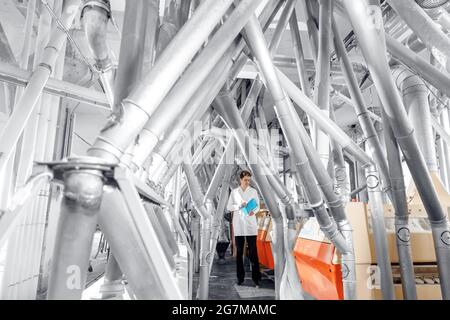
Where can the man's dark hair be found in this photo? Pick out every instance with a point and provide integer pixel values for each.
(244, 174)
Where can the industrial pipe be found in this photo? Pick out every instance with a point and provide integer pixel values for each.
(174, 103)
(361, 110)
(402, 231)
(256, 41)
(379, 233)
(429, 32)
(415, 98)
(27, 103)
(322, 81)
(78, 220)
(325, 123)
(226, 107)
(95, 15)
(128, 252)
(145, 98)
(230, 70)
(413, 61)
(372, 42)
(281, 26)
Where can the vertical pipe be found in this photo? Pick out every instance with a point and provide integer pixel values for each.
(322, 82)
(77, 223)
(379, 233)
(281, 26)
(372, 42)
(218, 216)
(415, 62)
(426, 29)
(401, 213)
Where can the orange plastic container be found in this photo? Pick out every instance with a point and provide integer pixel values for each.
(262, 258)
(319, 276)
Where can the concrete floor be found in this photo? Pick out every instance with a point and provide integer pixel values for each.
(222, 285)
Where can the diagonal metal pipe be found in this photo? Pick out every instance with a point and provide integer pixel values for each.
(128, 73)
(256, 41)
(379, 233)
(426, 29)
(218, 215)
(401, 212)
(336, 207)
(281, 26)
(413, 61)
(361, 110)
(27, 103)
(206, 94)
(325, 123)
(147, 95)
(415, 98)
(372, 42)
(226, 107)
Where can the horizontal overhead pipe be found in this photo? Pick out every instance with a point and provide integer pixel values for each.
(422, 67)
(257, 44)
(27, 103)
(426, 29)
(372, 42)
(415, 97)
(145, 97)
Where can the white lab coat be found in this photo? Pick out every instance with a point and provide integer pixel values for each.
(243, 225)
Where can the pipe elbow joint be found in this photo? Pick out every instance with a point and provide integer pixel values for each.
(94, 16)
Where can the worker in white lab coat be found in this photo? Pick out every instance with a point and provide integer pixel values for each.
(245, 226)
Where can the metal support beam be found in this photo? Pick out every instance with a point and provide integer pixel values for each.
(19, 77)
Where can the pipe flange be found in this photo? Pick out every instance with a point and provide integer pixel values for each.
(404, 234)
